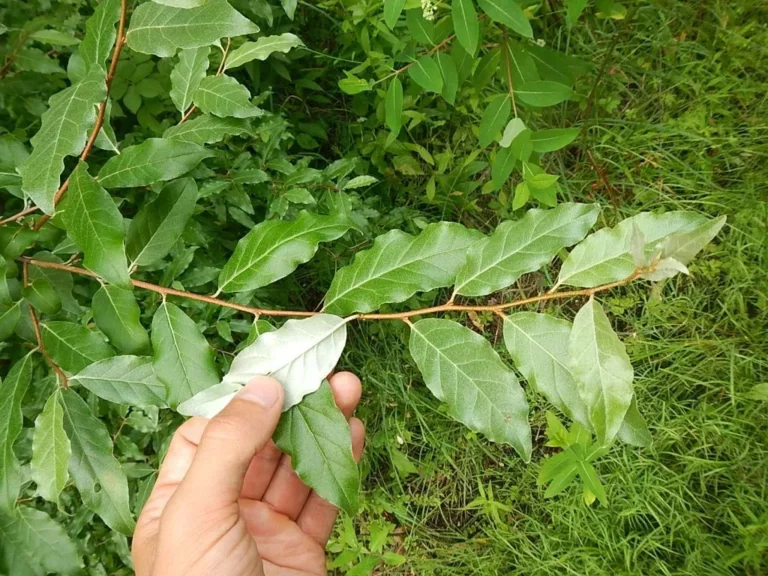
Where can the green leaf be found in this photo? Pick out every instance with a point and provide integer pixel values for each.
(116, 313)
(554, 139)
(206, 129)
(398, 266)
(602, 370)
(124, 380)
(353, 85)
(509, 13)
(450, 76)
(393, 106)
(9, 318)
(466, 24)
(513, 129)
(41, 295)
(494, 118)
(683, 246)
(154, 160)
(187, 75)
(521, 64)
(543, 93)
(290, 7)
(426, 73)
(182, 3)
(273, 249)
(34, 60)
(182, 358)
(522, 246)
(50, 450)
(462, 369)
(634, 429)
(316, 435)
(32, 544)
(502, 167)
(100, 34)
(94, 223)
(486, 68)
(72, 346)
(63, 132)
(421, 29)
(605, 257)
(60, 280)
(159, 224)
(262, 49)
(12, 392)
(96, 472)
(392, 11)
(54, 38)
(538, 344)
(360, 182)
(160, 30)
(224, 96)
(574, 8)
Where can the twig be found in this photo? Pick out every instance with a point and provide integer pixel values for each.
(509, 72)
(19, 215)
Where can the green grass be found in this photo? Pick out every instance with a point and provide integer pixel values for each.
(687, 130)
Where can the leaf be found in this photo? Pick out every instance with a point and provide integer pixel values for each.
(538, 344)
(54, 38)
(116, 313)
(211, 401)
(683, 246)
(393, 106)
(187, 75)
(466, 24)
(605, 255)
(41, 295)
(32, 544)
(426, 73)
(522, 246)
(521, 64)
(462, 369)
(543, 93)
(316, 435)
(182, 3)
(9, 318)
(160, 30)
(50, 450)
(12, 392)
(34, 60)
(494, 118)
(360, 182)
(72, 346)
(262, 49)
(353, 85)
(421, 29)
(273, 249)
(63, 132)
(574, 8)
(224, 96)
(450, 76)
(154, 160)
(290, 7)
(94, 223)
(97, 474)
(100, 34)
(160, 224)
(183, 361)
(502, 167)
(602, 370)
(124, 380)
(634, 429)
(554, 139)
(398, 266)
(513, 129)
(392, 11)
(508, 13)
(60, 280)
(206, 129)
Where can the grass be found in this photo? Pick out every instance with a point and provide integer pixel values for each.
(680, 123)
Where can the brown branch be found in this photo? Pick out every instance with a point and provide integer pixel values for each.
(19, 215)
(509, 72)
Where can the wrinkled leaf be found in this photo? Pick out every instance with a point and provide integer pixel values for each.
(51, 450)
(12, 391)
(262, 49)
(187, 75)
(124, 380)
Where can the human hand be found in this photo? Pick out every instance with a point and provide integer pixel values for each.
(227, 502)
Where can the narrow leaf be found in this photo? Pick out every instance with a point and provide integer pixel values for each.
(466, 24)
(494, 118)
(100, 34)
(509, 13)
(392, 11)
(554, 139)
(72, 346)
(262, 49)
(187, 75)
(393, 107)
(12, 392)
(124, 380)
(543, 93)
(224, 96)
(421, 29)
(206, 129)
(116, 313)
(50, 450)
(426, 73)
(450, 76)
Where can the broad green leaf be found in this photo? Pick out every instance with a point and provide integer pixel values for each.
(273, 249)
(224, 96)
(96, 472)
(450, 76)
(466, 24)
(290, 7)
(124, 380)
(12, 391)
(605, 257)
(50, 450)
(421, 29)
(159, 224)
(262, 49)
(34, 60)
(538, 344)
(182, 3)
(32, 544)
(494, 118)
(509, 13)
(100, 34)
(511, 131)
(206, 129)
(521, 65)
(60, 280)
(502, 167)
(9, 318)
(160, 30)
(187, 75)
(522, 246)
(54, 38)
(398, 266)
(553, 65)
(574, 8)
(183, 361)
(41, 296)
(94, 223)
(393, 107)
(602, 370)
(353, 85)
(72, 346)
(116, 313)
(63, 132)
(487, 68)
(392, 11)
(634, 429)
(683, 246)
(316, 435)
(360, 182)
(426, 73)
(462, 369)
(543, 93)
(154, 160)
(554, 139)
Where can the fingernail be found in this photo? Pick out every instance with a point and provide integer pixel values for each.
(262, 391)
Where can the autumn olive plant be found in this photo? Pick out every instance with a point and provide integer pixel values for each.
(102, 235)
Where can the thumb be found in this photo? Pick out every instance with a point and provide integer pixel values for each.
(231, 440)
